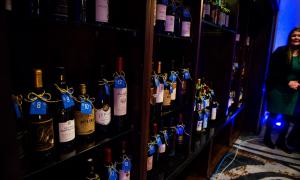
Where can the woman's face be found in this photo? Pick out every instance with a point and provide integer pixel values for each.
(295, 38)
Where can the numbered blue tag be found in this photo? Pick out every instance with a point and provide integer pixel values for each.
(172, 77)
(67, 100)
(151, 150)
(171, 89)
(156, 80)
(126, 165)
(180, 130)
(158, 140)
(112, 174)
(17, 110)
(120, 82)
(107, 89)
(186, 75)
(38, 107)
(86, 107)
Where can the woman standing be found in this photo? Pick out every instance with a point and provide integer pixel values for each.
(282, 85)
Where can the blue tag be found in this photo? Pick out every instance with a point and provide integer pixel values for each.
(126, 165)
(180, 130)
(107, 89)
(186, 75)
(151, 150)
(67, 100)
(172, 77)
(17, 110)
(158, 140)
(186, 13)
(86, 107)
(120, 82)
(171, 89)
(38, 107)
(156, 81)
(112, 174)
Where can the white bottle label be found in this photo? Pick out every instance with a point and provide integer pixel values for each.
(66, 131)
(205, 119)
(102, 12)
(161, 12)
(186, 29)
(120, 101)
(173, 94)
(149, 163)
(162, 148)
(103, 115)
(227, 20)
(160, 93)
(206, 9)
(124, 175)
(199, 126)
(214, 113)
(170, 23)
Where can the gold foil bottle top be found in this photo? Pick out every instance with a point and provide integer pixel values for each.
(158, 67)
(82, 88)
(38, 81)
(199, 81)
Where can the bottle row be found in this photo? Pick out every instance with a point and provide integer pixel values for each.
(217, 12)
(172, 18)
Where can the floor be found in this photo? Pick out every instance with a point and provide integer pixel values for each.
(250, 159)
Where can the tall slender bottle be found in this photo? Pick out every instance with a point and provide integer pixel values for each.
(180, 134)
(206, 10)
(125, 165)
(64, 112)
(173, 80)
(159, 92)
(170, 18)
(40, 118)
(172, 135)
(84, 117)
(109, 170)
(161, 13)
(102, 106)
(186, 23)
(120, 96)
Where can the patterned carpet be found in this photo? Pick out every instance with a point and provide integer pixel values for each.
(256, 161)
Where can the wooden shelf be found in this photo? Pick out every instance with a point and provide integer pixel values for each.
(59, 158)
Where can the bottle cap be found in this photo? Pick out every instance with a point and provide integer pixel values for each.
(38, 81)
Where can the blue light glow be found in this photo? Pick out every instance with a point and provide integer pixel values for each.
(288, 18)
(278, 124)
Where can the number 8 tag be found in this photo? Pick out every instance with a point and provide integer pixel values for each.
(38, 107)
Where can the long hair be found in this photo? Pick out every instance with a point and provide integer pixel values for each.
(290, 49)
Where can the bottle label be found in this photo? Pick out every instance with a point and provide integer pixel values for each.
(162, 148)
(206, 9)
(124, 175)
(42, 135)
(183, 88)
(221, 19)
(38, 107)
(149, 163)
(84, 123)
(227, 20)
(173, 94)
(66, 131)
(86, 107)
(102, 12)
(160, 93)
(103, 115)
(67, 100)
(167, 98)
(214, 113)
(205, 121)
(152, 96)
(161, 12)
(206, 103)
(170, 23)
(186, 29)
(199, 126)
(120, 101)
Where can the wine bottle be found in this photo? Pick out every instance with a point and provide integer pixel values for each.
(186, 23)
(125, 165)
(172, 137)
(160, 141)
(120, 96)
(64, 112)
(184, 86)
(109, 168)
(178, 19)
(159, 91)
(84, 117)
(40, 119)
(102, 10)
(91, 174)
(173, 80)
(103, 106)
(161, 12)
(150, 157)
(214, 107)
(170, 18)
(213, 11)
(206, 10)
(166, 106)
(61, 9)
(199, 119)
(180, 134)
